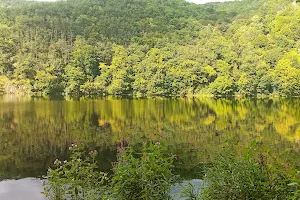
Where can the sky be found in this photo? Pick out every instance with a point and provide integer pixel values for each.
(206, 1)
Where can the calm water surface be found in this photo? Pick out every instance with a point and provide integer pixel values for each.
(35, 131)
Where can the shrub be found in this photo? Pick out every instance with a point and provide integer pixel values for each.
(146, 177)
(76, 179)
(242, 179)
(189, 193)
(295, 186)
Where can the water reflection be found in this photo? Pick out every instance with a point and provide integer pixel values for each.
(23, 189)
(35, 131)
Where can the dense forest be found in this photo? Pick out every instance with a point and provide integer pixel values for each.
(150, 48)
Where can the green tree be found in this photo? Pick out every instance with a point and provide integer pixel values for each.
(74, 77)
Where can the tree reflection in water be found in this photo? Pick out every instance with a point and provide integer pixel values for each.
(35, 131)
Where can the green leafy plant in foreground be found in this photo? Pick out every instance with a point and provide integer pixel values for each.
(147, 175)
(190, 193)
(76, 179)
(244, 178)
(295, 186)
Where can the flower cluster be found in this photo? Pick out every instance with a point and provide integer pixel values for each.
(93, 153)
(57, 162)
(73, 146)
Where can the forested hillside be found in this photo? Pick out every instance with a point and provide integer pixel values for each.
(150, 47)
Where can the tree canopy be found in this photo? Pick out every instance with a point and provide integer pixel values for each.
(150, 47)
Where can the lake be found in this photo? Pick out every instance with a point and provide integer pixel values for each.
(36, 131)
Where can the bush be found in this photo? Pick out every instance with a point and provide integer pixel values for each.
(77, 179)
(146, 177)
(295, 186)
(242, 179)
(189, 193)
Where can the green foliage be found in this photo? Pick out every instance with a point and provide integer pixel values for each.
(91, 89)
(47, 84)
(77, 178)
(75, 77)
(147, 175)
(22, 87)
(84, 56)
(189, 193)
(287, 74)
(3, 81)
(223, 85)
(232, 177)
(159, 48)
(295, 187)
